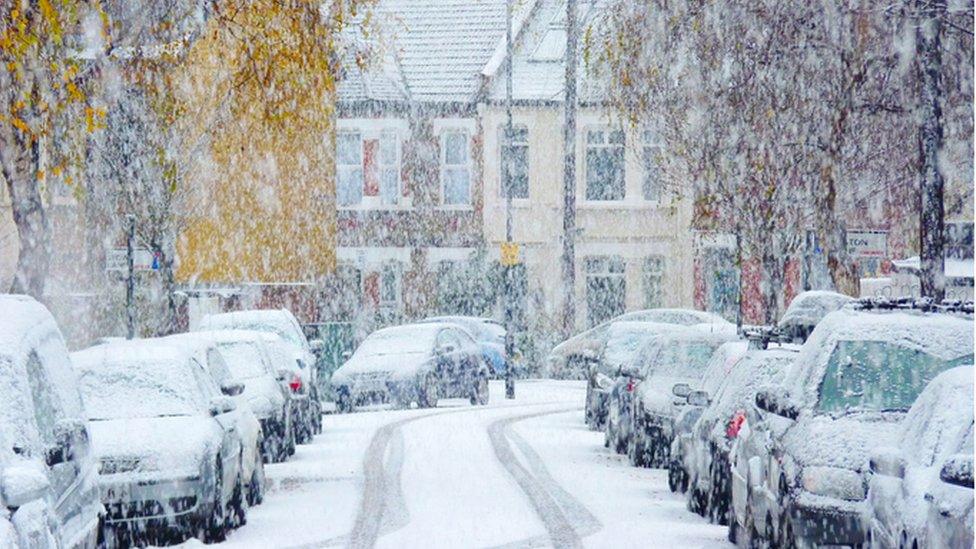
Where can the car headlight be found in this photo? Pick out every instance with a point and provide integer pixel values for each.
(603, 381)
(834, 482)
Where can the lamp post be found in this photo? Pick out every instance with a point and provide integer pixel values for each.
(507, 185)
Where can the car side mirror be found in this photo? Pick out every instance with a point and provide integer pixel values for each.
(446, 349)
(887, 462)
(346, 355)
(958, 470)
(778, 404)
(283, 374)
(222, 405)
(681, 390)
(22, 484)
(631, 371)
(699, 398)
(232, 389)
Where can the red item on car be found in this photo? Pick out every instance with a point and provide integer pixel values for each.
(735, 424)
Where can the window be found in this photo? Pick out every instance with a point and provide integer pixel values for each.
(605, 165)
(389, 167)
(653, 278)
(606, 288)
(455, 172)
(46, 412)
(349, 168)
(650, 154)
(390, 285)
(515, 152)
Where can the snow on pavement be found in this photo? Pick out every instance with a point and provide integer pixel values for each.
(515, 473)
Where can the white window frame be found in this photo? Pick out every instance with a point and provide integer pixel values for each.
(501, 162)
(647, 273)
(397, 271)
(397, 166)
(603, 145)
(650, 146)
(350, 167)
(466, 166)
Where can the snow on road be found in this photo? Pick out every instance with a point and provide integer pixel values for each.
(522, 473)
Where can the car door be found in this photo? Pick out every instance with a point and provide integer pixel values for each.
(230, 446)
(470, 357)
(448, 363)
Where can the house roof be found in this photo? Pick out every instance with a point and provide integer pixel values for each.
(434, 51)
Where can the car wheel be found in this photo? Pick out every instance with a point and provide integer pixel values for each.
(214, 526)
(237, 508)
(289, 444)
(255, 489)
(697, 500)
(344, 401)
(479, 394)
(428, 392)
(675, 476)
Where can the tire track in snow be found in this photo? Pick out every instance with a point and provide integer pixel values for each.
(382, 491)
(557, 509)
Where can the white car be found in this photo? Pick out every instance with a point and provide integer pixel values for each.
(48, 479)
(937, 429)
(166, 440)
(283, 324)
(246, 355)
(248, 426)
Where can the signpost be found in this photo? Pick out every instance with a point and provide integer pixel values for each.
(867, 244)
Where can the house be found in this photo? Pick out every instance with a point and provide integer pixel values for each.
(634, 243)
(408, 147)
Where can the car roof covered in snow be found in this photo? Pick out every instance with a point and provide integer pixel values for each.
(626, 338)
(279, 321)
(941, 418)
(942, 335)
(809, 308)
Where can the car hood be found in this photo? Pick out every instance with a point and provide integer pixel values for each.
(656, 396)
(391, 366)
(846, 442)
(154, 444)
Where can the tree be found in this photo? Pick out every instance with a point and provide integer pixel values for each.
(45, 74)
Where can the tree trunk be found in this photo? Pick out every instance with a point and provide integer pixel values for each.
(929, 58)
(20, 169)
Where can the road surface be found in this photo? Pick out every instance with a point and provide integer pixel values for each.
(513, 474)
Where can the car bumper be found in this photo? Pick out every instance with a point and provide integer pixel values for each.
(820, 524)
(128, 501)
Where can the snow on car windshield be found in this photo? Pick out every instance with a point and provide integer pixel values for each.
(625, 341)
(878, 376)
(400, 340)
(253, 321)
(683, 359)
(120, 388)
(244, 359)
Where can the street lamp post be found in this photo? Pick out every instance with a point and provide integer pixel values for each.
(507, 185)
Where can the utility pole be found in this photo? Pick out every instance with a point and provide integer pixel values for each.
(928, 44)
(569, 175)
(507, 185)
(130, 281)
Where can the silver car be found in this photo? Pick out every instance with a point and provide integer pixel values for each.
(168, 450)
(48, 478)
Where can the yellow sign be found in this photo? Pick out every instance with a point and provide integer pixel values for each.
(510, 254)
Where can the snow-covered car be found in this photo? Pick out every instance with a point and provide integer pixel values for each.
(167, 444)
(799, 472)
(949, 516)
(248, 426)
(708, 474)
(48, 477)
(937, 428)
(571, 358)
(806, 310)
(681, 361)
(413, 363)
(490, 335)
(624, 341)
(264, 388)
(283, 324)
(681, 462)
(297, 391)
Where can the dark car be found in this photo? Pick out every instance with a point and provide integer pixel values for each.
(490, 336)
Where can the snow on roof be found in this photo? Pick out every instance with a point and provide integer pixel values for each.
(954, 267)
(940, 418)
(439, 48)
(808, 308)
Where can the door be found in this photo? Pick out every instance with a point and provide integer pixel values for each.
(230, 446)
(449, 354)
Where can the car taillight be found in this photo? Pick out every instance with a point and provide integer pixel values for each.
(735, 424)
(295, 384)
(630, 386)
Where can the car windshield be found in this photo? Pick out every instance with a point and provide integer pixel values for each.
(149, 388)
(395, 341)
(282, 329)
(623, 345)
(878, 376)
(682, 359)
(244, 359)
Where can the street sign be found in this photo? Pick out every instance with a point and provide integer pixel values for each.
(142, 260)
(510, 254)
(867, 243)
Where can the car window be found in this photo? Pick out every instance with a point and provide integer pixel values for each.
(682, 359)
(447, 337)
(46, 410)
(244, 358)
(217, 367)
(878, 376)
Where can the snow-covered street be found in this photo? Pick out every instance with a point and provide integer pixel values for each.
(522, 473)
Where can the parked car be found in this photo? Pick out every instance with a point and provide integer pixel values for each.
(624, 341)
(806, 310)
(413, 363)
(938, 427)
(248, 426)
(48, 480)
(681, 463)
(283, 324)
(298, 393)
(264, 389)
(708, 472)
(490, 335)
(571, 358)
(798, 472)
(949, 513)
(680, 361)
(168, 448)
